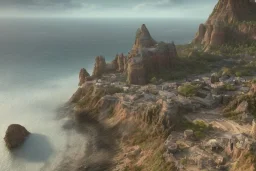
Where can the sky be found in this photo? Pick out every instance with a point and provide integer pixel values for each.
(107, 8)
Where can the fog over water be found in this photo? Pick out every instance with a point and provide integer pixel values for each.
(39, 64)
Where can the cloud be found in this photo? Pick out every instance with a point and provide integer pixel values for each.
(102, 7)
(151, 4)
(170, 4)
(43, 4)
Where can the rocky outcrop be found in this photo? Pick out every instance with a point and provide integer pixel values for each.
(231, 20)
(82, 76)
(120, 61)
(99, 66)
(147, 57)
(143, 40)
(15, 136)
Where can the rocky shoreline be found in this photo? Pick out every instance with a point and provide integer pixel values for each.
(202, 121)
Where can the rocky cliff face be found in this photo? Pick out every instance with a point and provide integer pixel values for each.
(231, 20)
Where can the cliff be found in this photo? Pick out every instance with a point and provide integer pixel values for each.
(231, 21)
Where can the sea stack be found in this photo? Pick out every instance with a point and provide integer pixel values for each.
(15, 136)
(230, 21)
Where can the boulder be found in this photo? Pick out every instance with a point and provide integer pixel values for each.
(15, 136)
(82, 76)
(172, 148)
(214, 78)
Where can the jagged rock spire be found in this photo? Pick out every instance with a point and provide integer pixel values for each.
(82, 75)
(143, 40)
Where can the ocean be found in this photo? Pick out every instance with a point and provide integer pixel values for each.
(39, 64)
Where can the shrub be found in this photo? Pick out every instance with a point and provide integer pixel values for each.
(254, 80)
(228, 87)
(153, 80)
(188, 89)
(226, 71)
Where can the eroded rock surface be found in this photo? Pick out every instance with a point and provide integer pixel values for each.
(231, 20)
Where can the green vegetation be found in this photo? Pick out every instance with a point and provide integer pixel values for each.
(147, 138)
(229, 110)
(188, 89)
(235, 49)
(239, 70)
(153, 80)
(228, 87)
(254, 80)
(199, 127)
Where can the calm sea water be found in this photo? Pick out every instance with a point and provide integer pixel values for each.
(39, 64)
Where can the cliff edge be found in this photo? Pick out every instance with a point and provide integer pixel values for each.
(231, 21)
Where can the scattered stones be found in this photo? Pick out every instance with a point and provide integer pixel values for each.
(15, 136)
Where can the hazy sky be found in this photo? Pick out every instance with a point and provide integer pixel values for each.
(107, 8)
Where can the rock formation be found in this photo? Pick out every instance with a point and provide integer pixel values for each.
(82, 76)
(231, 20)
(136, 72)
(15, 136)
(146, 57)
(99, 66)
(143, 40)
(121, 62)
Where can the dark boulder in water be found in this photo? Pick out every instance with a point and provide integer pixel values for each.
(15, 136)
